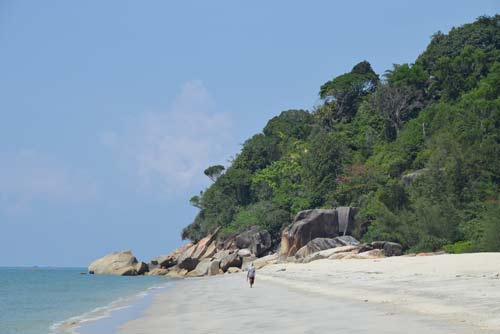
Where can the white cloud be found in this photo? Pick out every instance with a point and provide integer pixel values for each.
(27, 176)
(169, 150)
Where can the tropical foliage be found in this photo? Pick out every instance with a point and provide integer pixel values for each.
(439, 116)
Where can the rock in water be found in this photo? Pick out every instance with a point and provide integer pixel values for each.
(120, 263)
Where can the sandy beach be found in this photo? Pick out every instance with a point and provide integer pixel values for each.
(435, 294)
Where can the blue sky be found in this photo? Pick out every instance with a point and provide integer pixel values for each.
(111, 110)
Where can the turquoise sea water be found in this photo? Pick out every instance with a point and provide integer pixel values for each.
(40, 300)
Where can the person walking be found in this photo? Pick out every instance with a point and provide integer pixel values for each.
(251, 274)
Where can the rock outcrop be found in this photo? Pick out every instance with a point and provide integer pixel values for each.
(389, 248)
(190, 258)
(265, 260)
(256, 240)
(319, 244)
(392, 249)
(157, 272)
(232, 259)
(201, 269)
(328, 253)
(316, 223)
(120, 263)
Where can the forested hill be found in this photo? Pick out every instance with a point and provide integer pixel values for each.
(417, 149)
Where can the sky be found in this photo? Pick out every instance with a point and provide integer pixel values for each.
(111, 110)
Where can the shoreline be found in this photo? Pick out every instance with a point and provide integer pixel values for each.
(109, 317)
(437, 294)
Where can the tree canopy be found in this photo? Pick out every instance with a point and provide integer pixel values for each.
(438, 117)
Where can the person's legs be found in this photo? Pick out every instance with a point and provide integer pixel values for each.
(251, 281)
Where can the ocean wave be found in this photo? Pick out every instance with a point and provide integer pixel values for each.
(70, 325)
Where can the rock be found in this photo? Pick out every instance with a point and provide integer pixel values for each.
(244, 252)
(157, 272)
(213, 268)
(120, 263)
(327, 253)
(411, 177)
(201, 269)
(393, 249)
(258, 241)
(378, 244)
(346, 218)
(181, 273)
(186, 260)
(266, 260)
(316, 223)
(231, 260)
(347, 240)
(164, 261)
(232, 270)
(223, 253)
(210, 251)
(319, 244)
(141, 268)
(190, 258)
(364, 248)
(373, 254)
(340, 256)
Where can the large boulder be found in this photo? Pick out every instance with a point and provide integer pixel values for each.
(210, 251)
(163, 261)
(120, 263)
(233, 270)
(258, 241)
(176, 273)
(230, 260)
(244, 252)
(141, 268)
(389, 248)
(265, 260)
(328, 253)
(157, 272)
(316, 223)
(190, 258)
(319, 244)
(186, 260)
(392, 249)
(201, 269)
(213, 267)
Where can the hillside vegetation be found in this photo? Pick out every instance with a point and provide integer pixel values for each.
(439, 116)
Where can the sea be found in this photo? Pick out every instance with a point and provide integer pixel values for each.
(66, 300)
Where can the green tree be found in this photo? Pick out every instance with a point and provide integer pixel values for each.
(213, 172)
(343, 93)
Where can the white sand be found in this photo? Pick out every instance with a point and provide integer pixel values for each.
(438, 294)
